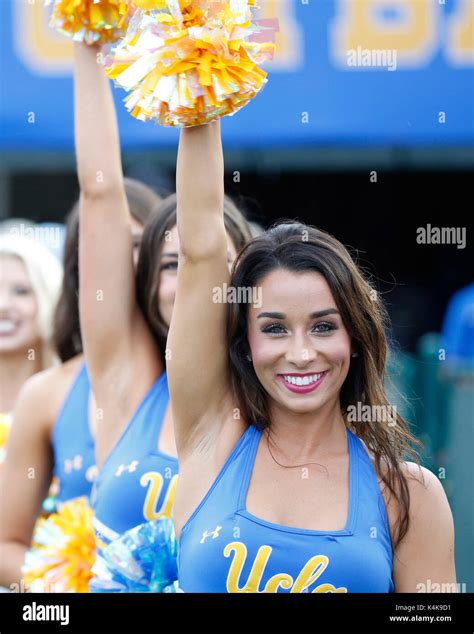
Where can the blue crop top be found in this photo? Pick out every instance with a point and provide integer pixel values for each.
(224, 548)
(137, 481)
(74, 467)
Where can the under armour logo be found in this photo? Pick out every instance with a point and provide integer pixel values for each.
(92, 473)
(75, 463)
(214, 534)
(130, 468)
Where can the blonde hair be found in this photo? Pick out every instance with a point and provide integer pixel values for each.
(45, 274)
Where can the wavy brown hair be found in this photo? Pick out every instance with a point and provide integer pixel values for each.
(148, 269)
(142, 201)
(298, 248)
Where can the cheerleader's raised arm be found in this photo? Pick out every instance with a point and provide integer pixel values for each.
(197, 349)
(112, 325)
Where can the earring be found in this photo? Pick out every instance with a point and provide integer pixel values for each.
(249, 358)
(355, 354)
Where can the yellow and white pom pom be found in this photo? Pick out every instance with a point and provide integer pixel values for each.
(189, 62)
(5, 424)
(91, 21)
(63, 550)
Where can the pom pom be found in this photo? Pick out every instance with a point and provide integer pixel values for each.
(5, 424)
(189, 62)
(63, 550)
(91, 21)
(141, 560)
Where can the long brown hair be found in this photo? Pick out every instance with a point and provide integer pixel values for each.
(148, 269)
(298, 247)
(142, 201)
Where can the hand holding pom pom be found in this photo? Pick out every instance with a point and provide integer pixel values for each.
(141, 560)
(189, 62)
(63, 550)
(91, 21)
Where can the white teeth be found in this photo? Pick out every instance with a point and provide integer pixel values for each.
(305, 380)
(6, 326)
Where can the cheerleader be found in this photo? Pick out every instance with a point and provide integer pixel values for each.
(54, 412)
(282, 488)
(30, 280)
(125, 319)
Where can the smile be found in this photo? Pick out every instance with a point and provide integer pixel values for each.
(302, 383)
(7, 326)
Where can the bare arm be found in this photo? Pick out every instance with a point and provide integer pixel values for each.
(197, 366)
(425, 556)
(106, 275)
(118, 346)
(25, 478)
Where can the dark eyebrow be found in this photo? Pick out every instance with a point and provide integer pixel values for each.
(319, 313)
(323, 313)
(272, 315)
(169, 255)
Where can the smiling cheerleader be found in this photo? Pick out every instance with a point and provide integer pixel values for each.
(278, 492)
(125, 333)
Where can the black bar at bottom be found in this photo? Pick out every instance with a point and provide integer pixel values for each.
(240, 613)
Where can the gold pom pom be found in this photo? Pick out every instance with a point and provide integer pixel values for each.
(5, 424)
(189, 62)
(63, 550)
(91, 21)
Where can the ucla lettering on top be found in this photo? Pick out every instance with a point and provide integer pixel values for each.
(310, 572)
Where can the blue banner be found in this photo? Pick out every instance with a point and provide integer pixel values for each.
(346, 72)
